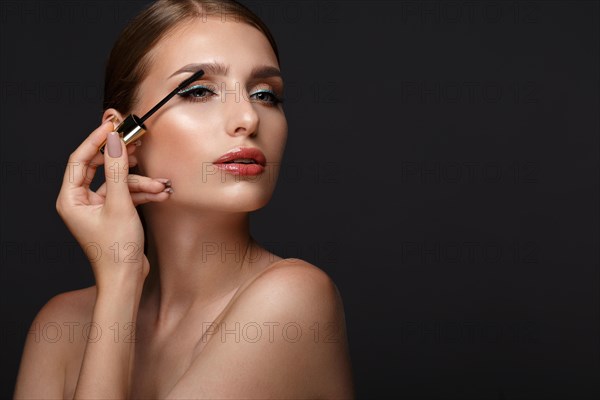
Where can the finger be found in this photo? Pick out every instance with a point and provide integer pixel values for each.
(98, 160)
(131, 148)
(116, 170)
(137, 197)
(141, 198)
(76, 174)
(138, 183)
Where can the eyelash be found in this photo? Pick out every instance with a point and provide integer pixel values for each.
(189, 94)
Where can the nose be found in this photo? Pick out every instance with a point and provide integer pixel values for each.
(242, 118)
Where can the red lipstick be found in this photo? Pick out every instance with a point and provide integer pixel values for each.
(242, 161)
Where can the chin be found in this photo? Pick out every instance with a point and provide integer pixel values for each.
(245, 203)
(242, 201)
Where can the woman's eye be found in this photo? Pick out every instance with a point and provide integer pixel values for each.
(195, 93)
(201, 93)
(267, 96)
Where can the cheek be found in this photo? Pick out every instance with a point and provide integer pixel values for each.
(273, 141)
(273, 131)
(178, 143)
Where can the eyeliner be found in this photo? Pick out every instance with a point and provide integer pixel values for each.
(132, 127)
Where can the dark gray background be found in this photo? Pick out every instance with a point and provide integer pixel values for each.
(441, 167)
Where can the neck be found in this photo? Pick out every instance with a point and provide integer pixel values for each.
(196, 258)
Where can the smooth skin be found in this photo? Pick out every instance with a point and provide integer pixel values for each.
(207, 313)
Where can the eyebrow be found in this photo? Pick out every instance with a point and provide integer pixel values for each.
(260, 72)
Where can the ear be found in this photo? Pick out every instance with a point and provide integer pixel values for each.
(111, 112)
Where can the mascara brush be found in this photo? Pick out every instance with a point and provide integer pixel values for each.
(132, 127)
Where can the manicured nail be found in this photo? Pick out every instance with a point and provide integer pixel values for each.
(114, 145)
(165, 181)
(168, 190)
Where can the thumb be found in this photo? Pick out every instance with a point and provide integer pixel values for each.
(116, 170)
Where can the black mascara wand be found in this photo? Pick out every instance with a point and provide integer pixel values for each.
(132, 127)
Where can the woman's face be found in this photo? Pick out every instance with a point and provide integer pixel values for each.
(221, 111)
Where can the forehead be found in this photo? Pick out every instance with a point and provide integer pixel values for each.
(237, 44)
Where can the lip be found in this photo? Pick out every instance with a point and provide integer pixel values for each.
(242, 169)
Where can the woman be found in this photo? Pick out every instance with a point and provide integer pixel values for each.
(205, 311)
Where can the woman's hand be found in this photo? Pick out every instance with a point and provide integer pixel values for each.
(105, 223)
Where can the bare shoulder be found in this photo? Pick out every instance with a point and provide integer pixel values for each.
(294, 274)
(53, 341)
(59, 322)
(293, 290)
(72, 304)
(289, 286)
(69, 310)
(283, 337)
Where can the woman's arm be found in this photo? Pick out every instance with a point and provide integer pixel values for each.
(108, 229)
(105, 371)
